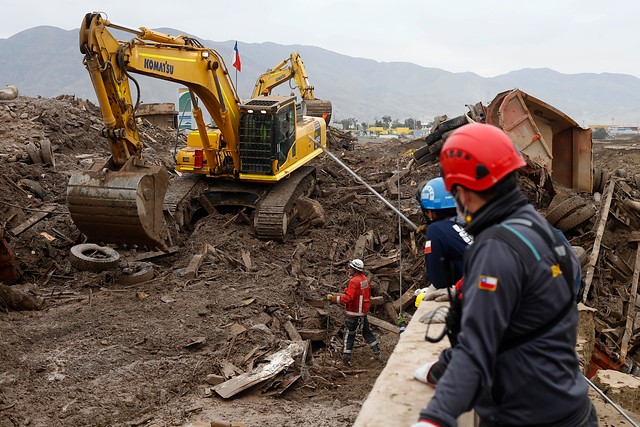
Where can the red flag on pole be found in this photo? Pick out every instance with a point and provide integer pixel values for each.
(236, 58)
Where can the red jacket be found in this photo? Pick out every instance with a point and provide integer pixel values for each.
(357, 296)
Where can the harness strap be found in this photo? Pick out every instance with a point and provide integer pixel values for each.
(527, 250)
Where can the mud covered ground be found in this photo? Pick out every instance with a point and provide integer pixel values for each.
(105, 353)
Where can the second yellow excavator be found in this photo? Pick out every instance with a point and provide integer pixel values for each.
(256, 157)
(293, 71)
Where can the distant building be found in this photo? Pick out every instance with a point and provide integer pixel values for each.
(378, 130)
(618, 130)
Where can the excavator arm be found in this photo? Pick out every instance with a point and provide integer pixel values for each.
(178, 59)
(293, 68)
(121, 201)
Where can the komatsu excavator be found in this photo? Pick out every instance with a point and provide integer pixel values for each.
(257, 157)
(295, 71)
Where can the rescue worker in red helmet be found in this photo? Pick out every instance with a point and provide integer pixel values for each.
(446, 239)
(514, 360)
(356, 300)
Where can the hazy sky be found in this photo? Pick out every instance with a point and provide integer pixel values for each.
(487, 37)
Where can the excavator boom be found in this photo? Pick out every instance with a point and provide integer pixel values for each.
(294, 71)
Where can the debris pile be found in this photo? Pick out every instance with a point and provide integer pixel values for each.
(223, 314)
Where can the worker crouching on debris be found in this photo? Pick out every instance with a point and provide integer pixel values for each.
(513, 358)
(356, 300)
(446, 239)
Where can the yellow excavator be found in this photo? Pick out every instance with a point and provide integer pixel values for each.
(293, 71)
(256, 157)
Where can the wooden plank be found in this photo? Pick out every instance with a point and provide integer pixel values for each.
(292, 331)
(602, 221)
(279, 361)
(313, 334)
(34, 219)
(361, 243)
(383, 325)
(404, 301)
(631, 307)
(246, 259)
(375, 301)
(383, 262)
(153, 254)
(192, 269)
(207, 205)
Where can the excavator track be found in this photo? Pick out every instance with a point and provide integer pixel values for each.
(277, 208)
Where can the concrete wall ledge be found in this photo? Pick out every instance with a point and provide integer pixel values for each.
(396, 397)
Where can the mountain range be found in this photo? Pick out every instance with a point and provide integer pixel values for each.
(46, 61)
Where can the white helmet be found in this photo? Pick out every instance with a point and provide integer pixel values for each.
(356, 264)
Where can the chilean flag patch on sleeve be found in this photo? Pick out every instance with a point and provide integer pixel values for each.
(488, 283)
(427, 247)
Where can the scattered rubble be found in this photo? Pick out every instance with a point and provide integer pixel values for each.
(152, 339)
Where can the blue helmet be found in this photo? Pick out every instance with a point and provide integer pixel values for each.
(435, 196)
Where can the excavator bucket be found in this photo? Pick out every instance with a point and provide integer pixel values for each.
(121, 207)
(319, 108)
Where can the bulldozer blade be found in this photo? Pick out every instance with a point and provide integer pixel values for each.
(120, 207)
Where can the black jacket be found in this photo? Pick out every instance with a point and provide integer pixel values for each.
(505, 295)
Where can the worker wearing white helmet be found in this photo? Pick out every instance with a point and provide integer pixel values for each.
(356, 301)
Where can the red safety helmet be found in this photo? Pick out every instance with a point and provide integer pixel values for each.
(476, 156)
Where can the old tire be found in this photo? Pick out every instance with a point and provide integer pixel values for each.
(92, 257)
(436, 147)
(597, 176)
(564, 209)
(452, 124)
(34, 153)
(427, 158)
(34, 187)
(136, 272)
(422, 151)
(46, 152)
(576, 218)
(433, 137)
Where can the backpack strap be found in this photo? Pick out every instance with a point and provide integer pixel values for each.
(505, 231)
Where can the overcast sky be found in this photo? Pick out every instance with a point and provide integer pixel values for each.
(487, 37)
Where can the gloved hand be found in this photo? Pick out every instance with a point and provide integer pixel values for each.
(430, 372)
(426, 290)
(330, 297)
(425, 423)
(439, 315)
(421, 229)
(438, 295)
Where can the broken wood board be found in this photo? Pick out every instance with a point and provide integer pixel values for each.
(383, 325)
(193, 267)
(593, 259)
(383, 262)
(34, 219)
(278, 362)
(292, 331)
(150, 255)
(405, 300)
(313, 334)
(631, 307)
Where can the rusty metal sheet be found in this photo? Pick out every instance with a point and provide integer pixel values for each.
(547, 137)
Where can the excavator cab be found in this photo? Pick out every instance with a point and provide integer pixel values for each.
(267, 134)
